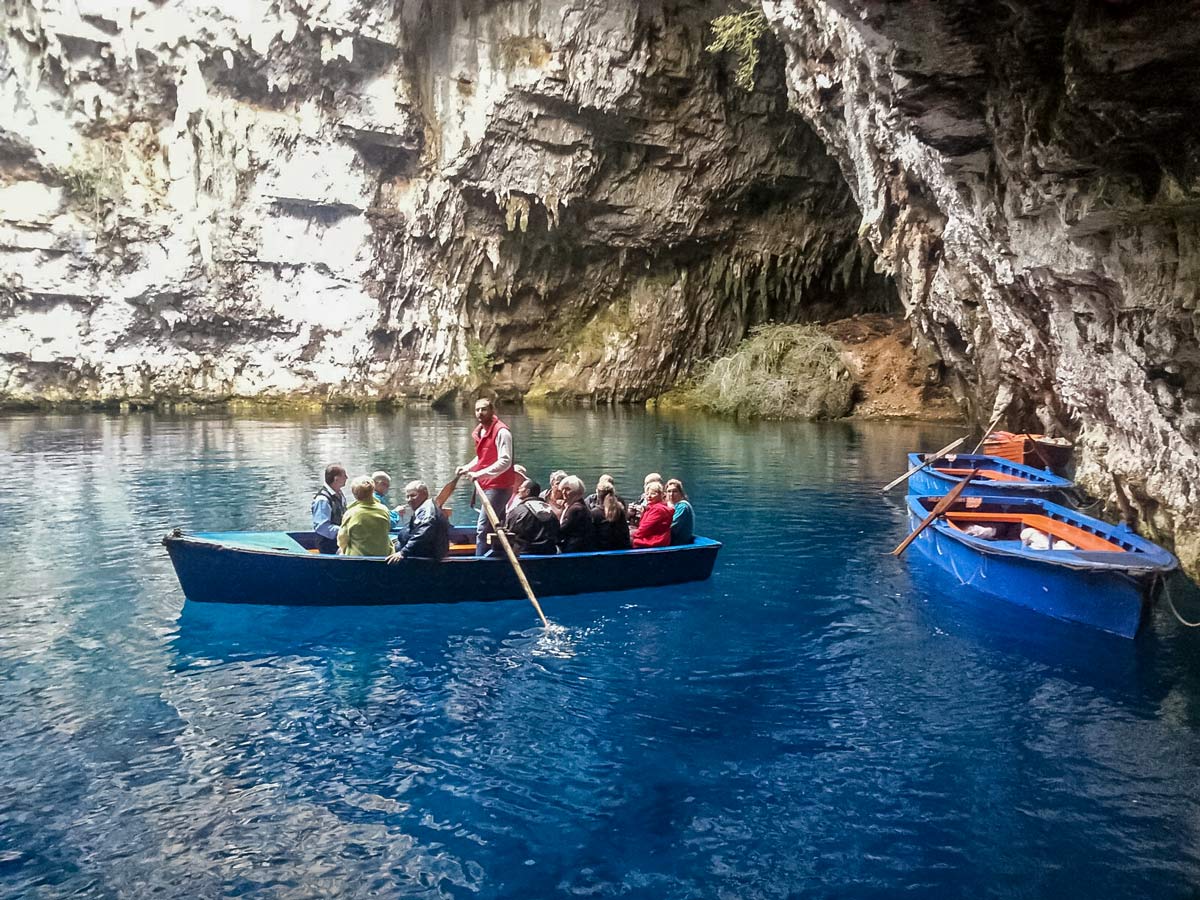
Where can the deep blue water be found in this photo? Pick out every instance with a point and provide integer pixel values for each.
(817, 720)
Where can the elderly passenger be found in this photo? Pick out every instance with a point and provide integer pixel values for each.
(635, 508)
(364, 529)
(654, 529)
(383, 483)
(683, 518)
(428, 534)
(553, 494)
(522, 477)
(576, 533)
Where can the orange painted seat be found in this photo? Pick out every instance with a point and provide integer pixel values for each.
(1084, 540)
(982, 473)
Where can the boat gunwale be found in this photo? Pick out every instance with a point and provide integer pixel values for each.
(1143, 558)
(1037, 479)
(184, 538)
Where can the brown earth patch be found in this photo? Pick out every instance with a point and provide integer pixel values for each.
(895, 380)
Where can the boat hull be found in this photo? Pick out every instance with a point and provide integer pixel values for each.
(218, 571)
(1093, 589)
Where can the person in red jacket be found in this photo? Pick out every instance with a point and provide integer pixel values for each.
(654, 529)
(492, 467)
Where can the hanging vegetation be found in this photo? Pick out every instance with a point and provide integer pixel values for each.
(738, 33)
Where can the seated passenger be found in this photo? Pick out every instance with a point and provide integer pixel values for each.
(611, 524)
(364, 529)
(532, 524)
(328, 507)
(654, 529)
(576, 533)
(553, 494)
(383, 483)
(635, 508)
(428, 534)
(604, 485)
(683, 519)
(522, 476)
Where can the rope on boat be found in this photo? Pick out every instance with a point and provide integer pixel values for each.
(1171, 606)
(1075, 501)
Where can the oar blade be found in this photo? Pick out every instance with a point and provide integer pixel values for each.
(915, 469)
(941, 506)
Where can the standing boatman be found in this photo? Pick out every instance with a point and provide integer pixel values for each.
(492, 467)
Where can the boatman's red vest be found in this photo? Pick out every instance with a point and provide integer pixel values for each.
(485, 452)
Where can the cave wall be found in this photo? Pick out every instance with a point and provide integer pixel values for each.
(346, 200)
(1031, 174)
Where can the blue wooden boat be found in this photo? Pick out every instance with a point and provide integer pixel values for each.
(997, 477)
(284, 568)
(1109, 579)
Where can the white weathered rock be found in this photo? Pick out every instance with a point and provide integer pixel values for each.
(358, 200)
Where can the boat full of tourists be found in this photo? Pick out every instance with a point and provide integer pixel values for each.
(284, 568)
(1089, 571)
(996, 476)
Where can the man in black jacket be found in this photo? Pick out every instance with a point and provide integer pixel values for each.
(428, 534)
(532, 523)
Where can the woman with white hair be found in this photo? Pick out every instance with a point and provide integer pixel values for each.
(576, 532)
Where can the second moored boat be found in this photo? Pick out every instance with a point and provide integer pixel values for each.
(996, 477)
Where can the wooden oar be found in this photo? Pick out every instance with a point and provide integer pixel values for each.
(915, 469)
(941, 507)
(988, 430)
(444, 493)
(512, 557)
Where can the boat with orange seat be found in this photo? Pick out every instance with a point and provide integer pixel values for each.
(1091, 572)
(995, 476)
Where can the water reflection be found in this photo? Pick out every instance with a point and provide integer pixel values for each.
(818, 719)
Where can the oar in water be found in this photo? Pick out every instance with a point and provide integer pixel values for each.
(932, 458)
(988, 430)
(942, 506)
(512, 557)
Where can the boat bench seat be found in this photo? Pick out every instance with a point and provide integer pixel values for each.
(989, 474)
(1084, 540)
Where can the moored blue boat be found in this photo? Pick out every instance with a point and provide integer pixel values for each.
(1108, 579)
(278, 567)
(997, 477)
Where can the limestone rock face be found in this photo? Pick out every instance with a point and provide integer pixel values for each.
(1031, 174)
(344, 199)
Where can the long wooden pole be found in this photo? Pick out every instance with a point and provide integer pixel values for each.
(941, 507)
(512, 557)
(932, 458)
(988, 430)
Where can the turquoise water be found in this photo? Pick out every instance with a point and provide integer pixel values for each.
(817, 720)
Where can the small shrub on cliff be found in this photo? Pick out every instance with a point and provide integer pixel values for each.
(479, 361)
(738, 33)
(778, 372)
(93, 181)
